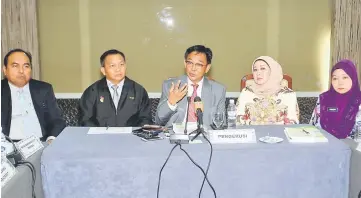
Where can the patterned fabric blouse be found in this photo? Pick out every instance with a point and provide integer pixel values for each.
(280, 108)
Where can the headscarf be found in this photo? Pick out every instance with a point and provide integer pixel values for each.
(341, 123)
(273, 85)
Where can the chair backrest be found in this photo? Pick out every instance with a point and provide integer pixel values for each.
(287, 81)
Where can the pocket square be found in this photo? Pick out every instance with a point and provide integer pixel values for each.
(131, 97)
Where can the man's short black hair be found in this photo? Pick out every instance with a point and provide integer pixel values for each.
(110, 52)
(6, 58)
(200, 49)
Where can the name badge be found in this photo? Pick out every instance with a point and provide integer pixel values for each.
(7, 171)
(28, 146)
(332, 109)
(233, 136)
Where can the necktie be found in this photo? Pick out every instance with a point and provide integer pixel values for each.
(23, 106)
(115, 96)
(191, 111)
(20, 93)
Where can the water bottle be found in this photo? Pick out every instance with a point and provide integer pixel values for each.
(231, 114)
(357, 129)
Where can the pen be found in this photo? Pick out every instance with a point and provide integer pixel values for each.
(305, 131)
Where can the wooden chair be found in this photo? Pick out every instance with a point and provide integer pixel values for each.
(287, 81)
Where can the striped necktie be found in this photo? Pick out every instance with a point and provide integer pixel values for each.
(115, 96)
(191, 111)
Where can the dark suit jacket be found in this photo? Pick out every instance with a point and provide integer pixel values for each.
(45, 106)
(98, 110)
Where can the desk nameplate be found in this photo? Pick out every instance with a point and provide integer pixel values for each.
(28, 146)
(233, 136)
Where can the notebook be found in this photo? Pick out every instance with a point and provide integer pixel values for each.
(304, 134)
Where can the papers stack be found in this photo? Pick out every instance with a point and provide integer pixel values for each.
(306, 134)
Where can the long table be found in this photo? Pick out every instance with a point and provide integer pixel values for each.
(121, 165)
(20, 185)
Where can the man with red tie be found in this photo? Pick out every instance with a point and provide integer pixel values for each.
(172, 107)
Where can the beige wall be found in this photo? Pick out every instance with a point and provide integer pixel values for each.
(59, 41)
(73, 35)
(304, 42)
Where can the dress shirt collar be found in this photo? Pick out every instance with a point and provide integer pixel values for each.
(120, 84)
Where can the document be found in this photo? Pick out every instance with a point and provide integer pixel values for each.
(306, 134)
(110, 130)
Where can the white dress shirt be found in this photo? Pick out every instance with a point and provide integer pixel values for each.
(119, 89)
(189, 94)
(24, 121)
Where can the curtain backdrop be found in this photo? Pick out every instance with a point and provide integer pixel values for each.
(20, 29)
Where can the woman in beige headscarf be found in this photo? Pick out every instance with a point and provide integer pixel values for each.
(265, 100)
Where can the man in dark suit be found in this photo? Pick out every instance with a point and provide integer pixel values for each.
(115, 100)
(28, 106)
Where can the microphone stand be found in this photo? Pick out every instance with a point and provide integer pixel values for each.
(199, 129)
(185, 125)
(198, 132)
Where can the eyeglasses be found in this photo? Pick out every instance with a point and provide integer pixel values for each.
(190, 64)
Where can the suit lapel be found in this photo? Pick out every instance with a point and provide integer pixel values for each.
(6, 106)
(126, 89)
(34, 92)
(105, 95)
(207, 100)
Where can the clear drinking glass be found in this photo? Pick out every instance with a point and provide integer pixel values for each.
(218, 119)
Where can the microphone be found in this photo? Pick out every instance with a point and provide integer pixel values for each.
(185, 127)
(198, 105)
(14, 156)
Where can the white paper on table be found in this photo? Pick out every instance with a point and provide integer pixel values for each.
(179, 127)
(110, 130)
